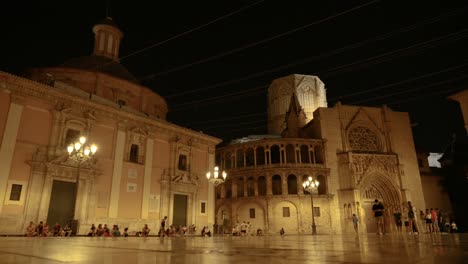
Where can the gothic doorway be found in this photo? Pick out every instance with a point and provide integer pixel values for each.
(62, 201)
(379, 187)
(368, 215)
(180, 210)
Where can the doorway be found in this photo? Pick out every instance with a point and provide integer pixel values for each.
(61, 204)
(180, 210)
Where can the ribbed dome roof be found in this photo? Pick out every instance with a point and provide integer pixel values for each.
(101, 64)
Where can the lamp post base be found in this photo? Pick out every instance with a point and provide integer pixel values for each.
(314, 230)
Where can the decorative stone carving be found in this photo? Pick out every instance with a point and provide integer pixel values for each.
(364, 164)
(186, 178)
(363, 139)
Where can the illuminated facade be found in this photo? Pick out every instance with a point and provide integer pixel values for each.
(145, 167)
(357, 154)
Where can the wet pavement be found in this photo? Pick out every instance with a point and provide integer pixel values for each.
(423, 248)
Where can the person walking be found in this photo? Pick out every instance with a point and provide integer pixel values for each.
(162, 229)
(412, 219)
(355, 223)
(398, 221)
(378, 210)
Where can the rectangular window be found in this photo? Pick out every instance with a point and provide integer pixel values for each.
(252, 212)
(286, 212)
(15, 193)
(203, 208)
(133, 153)
(182, 163)
(316, 211)
(72, 136)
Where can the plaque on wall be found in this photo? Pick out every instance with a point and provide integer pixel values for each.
(153, 203)
(133, 174)
(131, 187)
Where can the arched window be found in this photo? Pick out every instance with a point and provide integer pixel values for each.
(240, 187)
(305, 154)
(322, 188)
(276, 185)
(250, 187)
(249, 157)
(260, 153)
(290, 154)
(292, 184)
(262, 187)
(275, 154)
(239, 158)
(362, 139)
(72, 136)
(228, 160)
(318, 155)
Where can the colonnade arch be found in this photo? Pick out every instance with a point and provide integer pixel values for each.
(296, 151)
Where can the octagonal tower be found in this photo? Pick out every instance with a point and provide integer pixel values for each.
(310, 93)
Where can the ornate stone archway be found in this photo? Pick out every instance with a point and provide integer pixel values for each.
(382, 187)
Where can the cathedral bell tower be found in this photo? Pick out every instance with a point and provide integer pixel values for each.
(107, 37)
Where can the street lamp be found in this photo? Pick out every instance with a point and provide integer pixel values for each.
(79, 152)
(215, 177)
(311, 185)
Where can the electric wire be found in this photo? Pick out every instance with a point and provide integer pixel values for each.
(136, 52)
(253, 44)
(325, 55)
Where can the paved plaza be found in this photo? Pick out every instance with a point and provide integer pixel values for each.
(438, 248)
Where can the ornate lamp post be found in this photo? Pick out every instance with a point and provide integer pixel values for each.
(80, 153)
(311, 185)
(215, 178)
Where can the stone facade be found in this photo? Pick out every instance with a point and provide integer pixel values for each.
(137, 170)
(357, 154)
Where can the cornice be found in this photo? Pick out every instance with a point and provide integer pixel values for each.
(25, 88)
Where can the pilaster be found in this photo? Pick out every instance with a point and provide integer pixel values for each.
(117, 173)
(147, 178)
(8, 147)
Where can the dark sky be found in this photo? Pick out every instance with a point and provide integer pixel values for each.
(407, 54)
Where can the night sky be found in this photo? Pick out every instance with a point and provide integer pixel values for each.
(409, 55)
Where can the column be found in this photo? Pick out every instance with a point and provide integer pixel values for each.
(256, 186)
(147, 178)
(35, 192)
(268, 184)
(234, 187)
(284, 183)
(8, 147)
(117, 173)
(300, 188)
(211, 192)
(255, 157)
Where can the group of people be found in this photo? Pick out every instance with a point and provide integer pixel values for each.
(42, 230)
(105, 231)
(434, 219)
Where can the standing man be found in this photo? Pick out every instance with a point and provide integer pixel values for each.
(162, 230)
(378, 210)
(355, 223)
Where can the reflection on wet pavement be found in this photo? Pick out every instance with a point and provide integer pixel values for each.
(425, 248)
